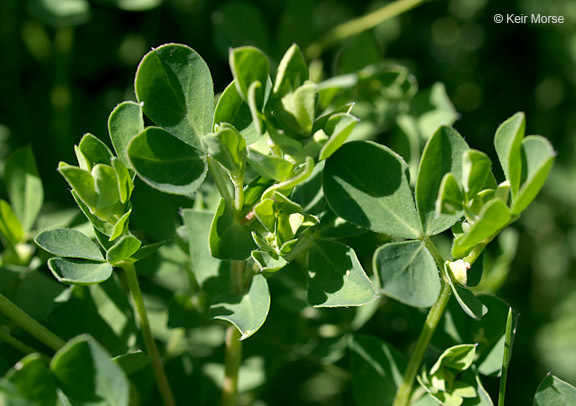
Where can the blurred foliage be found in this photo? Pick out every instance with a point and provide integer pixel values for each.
(66, 64)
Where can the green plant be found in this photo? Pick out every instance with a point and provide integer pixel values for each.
(276, 186)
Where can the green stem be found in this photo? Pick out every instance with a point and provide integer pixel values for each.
(233, 357)
(434, 315)
(15, 343)
(29, 324)
(510, 330)
(359, 25)
(161, 379)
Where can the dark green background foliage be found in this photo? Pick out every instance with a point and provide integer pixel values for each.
(62, 74)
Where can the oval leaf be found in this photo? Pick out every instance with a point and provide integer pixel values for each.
(166, 163)
(554, 391)
(69, 244)
(228, 239)
(442, 155)
(408, 273)
(247, 312)
(124, 123)
(175, 85)
(508, 143)
(123, 250)
(233, 110)
(366, 184)
(77, 272)
(336, 277)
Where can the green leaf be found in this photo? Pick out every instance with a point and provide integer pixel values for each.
(296, 110)
(508, 143)
(336, 277)
(537, 160)
(106, 187)
(32, 378)
(554, 391)
(232, 109)
(292, 71)
(102, 226)
(270, 167)
(9, 395)
(494, 216)
(466, 299)
(24, 186)
(120, 226)
(78, 272)
(124, 123)
(81, 182)
(475, 169)
(366, 184)
(442, 155)
(248, 64)
(123, 250)
(204, 265)
(132, 362)
(125, 185)
(175, 85)
(69, 243)
(408, 273)
(338, 127)
(86, 373)
(450, 196)
(229, 239)
(459, 358)
(93, 151)
(245, 311)
(377, 369)
(228, 147)
(256, 101)
(10, 228)
(166, 163)
(268, 262)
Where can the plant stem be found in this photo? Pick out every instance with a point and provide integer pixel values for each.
(359, 25)
(510, 331)
(432, 320)
(434, 316)
(15, 343)
(161, 379)
(30, 325)
(233, 356)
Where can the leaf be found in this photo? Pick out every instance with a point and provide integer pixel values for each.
(232, 109)
(229, 239)
(77, 272)
(338, 127)
(124, 123)
(475, 170)
(9, 395)
(204, 265)
(268, 262)
(450, 197)
(175, 85)
(102, 226)
(93, 151)
(494, 216)
(366, 184)
(10, 228)
(292, 71)
(107, 189)
(459, 358)
(442, 155)
(123, 250)
(120, 226)
(466, 299)
(86, 373)
(68, 243)
(228, 147)
(537, 160)
(296, 110)
(32, 378)
(166, 163)
(508, 143)
(248, 311)
(376, 369)
(554, 391)
(125, 185)
(81, 182)
(248, 64)
(408, 273)
(24, 186)
(132, 362)
(270, 167)
(336, 277)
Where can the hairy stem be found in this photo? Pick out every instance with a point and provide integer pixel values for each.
(15, 343)
(233, 356)
(30, 325)
(360, 24)
(161, 379)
